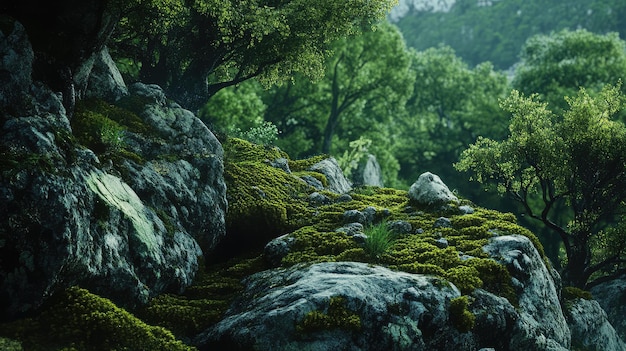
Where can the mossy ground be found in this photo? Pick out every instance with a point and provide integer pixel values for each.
(265, 202)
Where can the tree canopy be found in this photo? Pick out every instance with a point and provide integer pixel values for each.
(577, 160)
(558, 64)
(193, 48)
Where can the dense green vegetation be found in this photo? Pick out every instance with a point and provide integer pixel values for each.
(576, 163)
(495, 31)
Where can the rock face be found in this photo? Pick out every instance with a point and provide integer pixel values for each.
(611, 296)
(429, 190)
(380, 309)
(337, 182)
(126, 229)
(590, 328)
(105, 81)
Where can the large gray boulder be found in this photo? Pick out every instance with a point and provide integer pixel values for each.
(394, 310)
(126, 229)
(611, 296)
(429, 190)
(337, 181)
(540, 324)
(590, 328)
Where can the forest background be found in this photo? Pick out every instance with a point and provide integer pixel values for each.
(419, 88)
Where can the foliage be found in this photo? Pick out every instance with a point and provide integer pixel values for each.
(365, 85)
(576, 160)
(558, 64)
(379, 240)
(351, 158)
(179, 44)
(495, 31)
(451, 105)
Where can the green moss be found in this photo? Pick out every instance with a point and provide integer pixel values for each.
(13, 162)
(336, 316)
(462, 319)
(303, 165)
(464, 277)
(80, 320)
(571, 293)
(184, 316)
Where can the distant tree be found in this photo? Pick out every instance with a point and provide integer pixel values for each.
(365, 86)
(451, 105)
(558, 64)
(576, 160)
(495, 31)
(195, 48)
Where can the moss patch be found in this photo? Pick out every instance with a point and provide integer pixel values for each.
(80, 320)
(462, 319)
(336, 316)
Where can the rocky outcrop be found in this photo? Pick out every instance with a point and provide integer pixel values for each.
(129, 223)
(356, 306)
(429, 190)
(611, 296)
(590, 328)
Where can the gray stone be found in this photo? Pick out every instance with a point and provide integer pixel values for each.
(399, 227)
(127, 231)
(337, 182)
(370, 214)
(541, 324)
(429, 190)
(351, 229)
(313, 182)
(442, 222)
(611, 296)
(360, 238)
(281, 163)
(277, 249)
(369, 172)
(105, 81)
(352, 216)
(16, 59)
(590, 328)
(465, 209)
(343, 198)
(317, 199)
(395, 309)
(442, 243)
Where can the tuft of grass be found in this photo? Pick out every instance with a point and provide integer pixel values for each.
(379, 239)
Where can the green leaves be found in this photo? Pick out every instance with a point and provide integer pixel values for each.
(577, 160)
(557, 65)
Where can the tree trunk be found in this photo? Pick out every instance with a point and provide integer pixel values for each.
(578, 260)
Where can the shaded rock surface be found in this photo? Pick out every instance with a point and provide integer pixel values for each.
(612, 298)
(429, 190)
(127, 229)
(590, 328)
